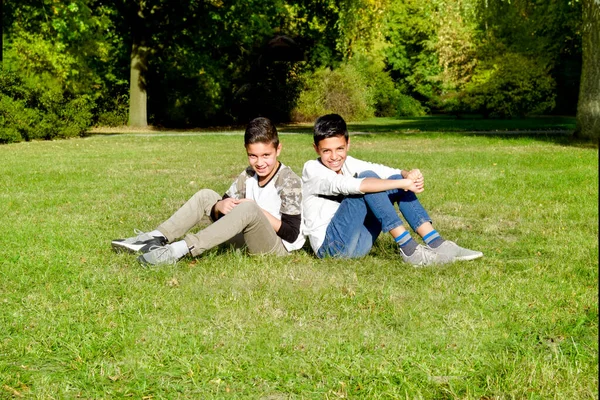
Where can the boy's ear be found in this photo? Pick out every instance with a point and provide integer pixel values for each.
(316, 148)
(278, 149)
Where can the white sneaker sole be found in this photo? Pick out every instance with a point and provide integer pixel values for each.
(469, 258)
(127, 247)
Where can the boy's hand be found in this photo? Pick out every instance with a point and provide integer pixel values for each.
(417, 177)
(416, 186)
(225, 206)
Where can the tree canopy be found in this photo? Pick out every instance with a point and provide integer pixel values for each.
(194, 63)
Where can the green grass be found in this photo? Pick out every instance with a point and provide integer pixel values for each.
(474, 124)
(79, 321)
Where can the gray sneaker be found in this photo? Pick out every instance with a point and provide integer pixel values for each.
(159, 255)
(423, 256)
(451, 249)
(137, 244)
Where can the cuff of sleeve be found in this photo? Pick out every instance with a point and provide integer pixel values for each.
(358, 183)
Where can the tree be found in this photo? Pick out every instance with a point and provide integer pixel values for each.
(588, 108)
(410, 30)
(138, 97)
(1, 30)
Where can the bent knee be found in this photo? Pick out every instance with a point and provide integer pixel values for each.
(248, 207)
(207, 194)
(368, 174)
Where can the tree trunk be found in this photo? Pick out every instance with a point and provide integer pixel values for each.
(137, 87)
(588, 107)
(138, 97)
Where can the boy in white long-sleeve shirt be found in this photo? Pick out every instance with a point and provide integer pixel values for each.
(347, 202)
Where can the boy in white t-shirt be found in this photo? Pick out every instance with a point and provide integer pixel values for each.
(347, 202)
(261, 209)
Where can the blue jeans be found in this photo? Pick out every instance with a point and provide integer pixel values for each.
(360, 218)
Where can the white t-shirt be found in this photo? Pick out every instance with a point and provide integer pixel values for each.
(281, 195)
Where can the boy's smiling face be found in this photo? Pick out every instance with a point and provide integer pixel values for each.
(262, 157)
(333, 152)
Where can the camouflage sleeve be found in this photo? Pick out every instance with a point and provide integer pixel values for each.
(237, 190)
(289, 187)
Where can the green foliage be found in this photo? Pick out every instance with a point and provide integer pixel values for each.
(71, 116)
(360, 23)
(29, 111)
(548, 32)
(434, 48)
(456, 47)
(356, 89)
(343, 91)
(114, 112)
(410, 33)
(40, 58)
(8, 134)
(383, 90)
(66, 41)
(389, 100)
(510, 85)
(407, 106)
(209, 63)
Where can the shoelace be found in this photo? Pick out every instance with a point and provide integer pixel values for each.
(162, 255)
(428, 256)
(141, 235)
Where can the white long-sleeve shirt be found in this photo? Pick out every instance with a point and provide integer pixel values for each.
(321, 186)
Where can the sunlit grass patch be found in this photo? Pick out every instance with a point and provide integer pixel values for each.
(78, 320)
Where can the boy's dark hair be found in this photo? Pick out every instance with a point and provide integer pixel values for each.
(261, 130)
(330, 125)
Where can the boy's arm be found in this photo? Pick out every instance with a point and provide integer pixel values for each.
(236, 192)
(290, 192)
(383, 171)
(288, 228)
(373, 185)
(412, 180)
(320, 180)
(275, 223)
(223, 207)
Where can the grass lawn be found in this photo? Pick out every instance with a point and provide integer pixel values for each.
(473, 124)
(79, 321)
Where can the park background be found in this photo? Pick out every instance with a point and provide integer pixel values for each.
(480, 95)
(70, 65)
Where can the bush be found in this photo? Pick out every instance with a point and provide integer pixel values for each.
(113, 112)
(16, 120)
(74, 117)
(342, 91)
(7, 134)
(379, 83)
(29, 111)
(407, 106)
(358, 89)
(389, 101)
(507, 86)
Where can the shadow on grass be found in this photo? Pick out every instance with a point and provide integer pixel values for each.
(554, 129)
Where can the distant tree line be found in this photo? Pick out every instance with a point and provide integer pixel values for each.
(67, 65)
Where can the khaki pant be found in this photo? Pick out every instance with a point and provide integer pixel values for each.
(246, 223)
